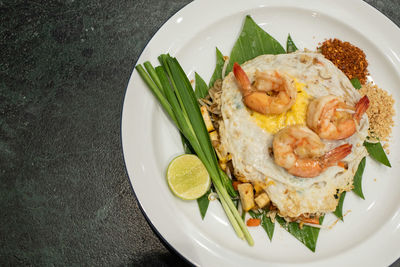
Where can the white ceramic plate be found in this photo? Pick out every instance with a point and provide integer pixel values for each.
(370, 234)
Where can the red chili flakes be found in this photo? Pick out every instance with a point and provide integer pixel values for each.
(347, 57)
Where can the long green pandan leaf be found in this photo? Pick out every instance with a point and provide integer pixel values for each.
(198, 136)
(252, 42)
(191, 106)
(266, 222)
(290, 46)
(358, 179)
(376, 151)
(201, 88)
(202, 202)
(153, 74)
(190, 103)
(339, 208)
(173, 102)
(236, 202)
(186, 145)
(183, 87)
(243, 214)
(228, 184)
(218, 68)
(308, 235)
(158, 92)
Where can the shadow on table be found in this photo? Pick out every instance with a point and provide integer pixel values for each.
(172, 259)
(161, 259)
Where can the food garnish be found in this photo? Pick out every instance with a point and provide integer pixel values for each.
(307, 235)
(266, 221)
(218, 68)
(290, 46)
(380, 112)
(339, 209)
(203, 203)
(253, 222)
(207, 120)
(172, 88)
(252, 42)
(347, 57)
(356, 83)
(376, 151)
(187, 177)
(357, 179)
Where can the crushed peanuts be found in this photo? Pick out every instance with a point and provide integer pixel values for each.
(380, 112)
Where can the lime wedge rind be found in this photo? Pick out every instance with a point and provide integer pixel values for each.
(187, 177)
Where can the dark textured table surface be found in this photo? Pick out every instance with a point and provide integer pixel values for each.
(65, 197)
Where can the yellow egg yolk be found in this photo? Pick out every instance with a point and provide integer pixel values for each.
(295, 115)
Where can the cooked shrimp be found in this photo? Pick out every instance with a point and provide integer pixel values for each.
(270, 94)
(301, 152)
(331, 118)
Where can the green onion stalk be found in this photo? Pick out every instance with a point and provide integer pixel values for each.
(173, 90)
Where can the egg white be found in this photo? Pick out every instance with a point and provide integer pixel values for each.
(249, 144)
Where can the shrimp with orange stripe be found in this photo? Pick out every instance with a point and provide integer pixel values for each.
(302, 153)
(271, 92)
(331, 118)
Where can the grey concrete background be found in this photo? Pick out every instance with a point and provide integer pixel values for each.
(65, 198)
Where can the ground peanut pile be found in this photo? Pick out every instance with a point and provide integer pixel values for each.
(347, 57)
(380, 112)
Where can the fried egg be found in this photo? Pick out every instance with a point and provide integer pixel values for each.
(248, 135)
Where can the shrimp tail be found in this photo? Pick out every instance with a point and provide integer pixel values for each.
(361, 108)
(242, 79)
(335, 155)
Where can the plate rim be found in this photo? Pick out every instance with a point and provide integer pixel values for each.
(131, 80)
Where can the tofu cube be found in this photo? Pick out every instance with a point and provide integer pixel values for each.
(207, 119)
(259, 187)
(214, 138)
(262, 200)
(246, 196)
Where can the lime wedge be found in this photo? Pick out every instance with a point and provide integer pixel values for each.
(187, 177)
